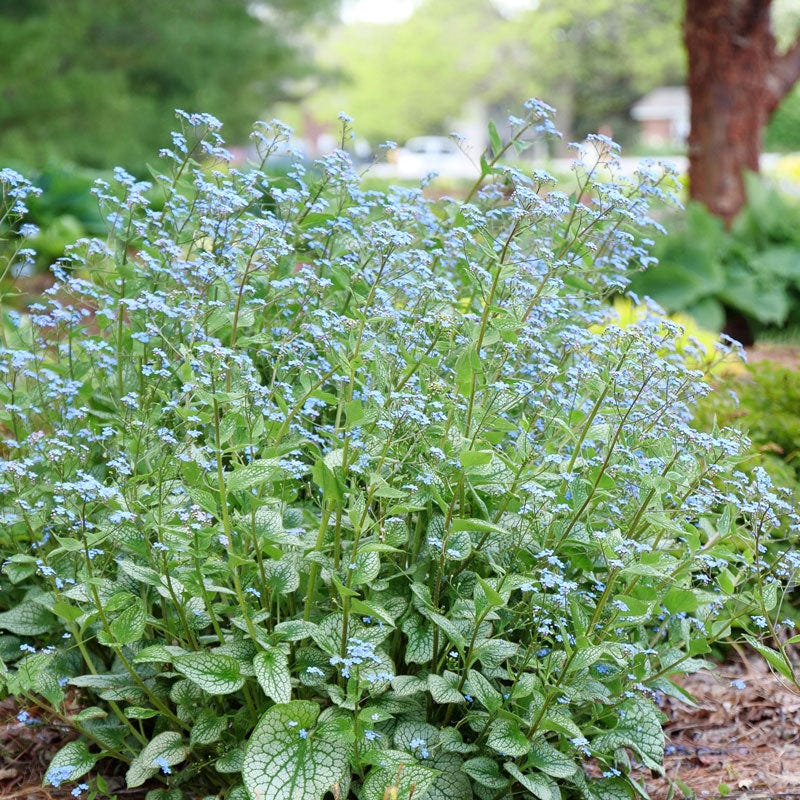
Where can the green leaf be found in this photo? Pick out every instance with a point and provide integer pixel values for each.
(449, 629)
(541, 786)
(485, 771)
(272, 672)
(216, 674)
(293, 630)
(474, 458)
(493, 598)
(207, 728)
(324, 477)
(413, 780)
(506, 738)
(419, 649)
(283, 576)
(253, 474)
(677, 600)
(494, 139)
(443, 688)
(549, 760)
(27, 618)
(231, 761)
(19, 567)
(280, 764)
(777, 660)
(138, 712)
(483, 691)
(451, 783)
(639, 728)
(130, 624)
(168, 746)
(74, 755)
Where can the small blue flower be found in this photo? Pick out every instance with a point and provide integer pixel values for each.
(161, 762)
(57, 776)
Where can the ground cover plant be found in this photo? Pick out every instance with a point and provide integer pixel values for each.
(309, 490)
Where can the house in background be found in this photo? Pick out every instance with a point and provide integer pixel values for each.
(663, 117)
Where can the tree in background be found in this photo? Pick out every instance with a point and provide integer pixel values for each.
(737, 78)
(592, 61)
(97, 83)
(595, 60)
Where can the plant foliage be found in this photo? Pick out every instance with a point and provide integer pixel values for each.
(753, 269)
(309, 489)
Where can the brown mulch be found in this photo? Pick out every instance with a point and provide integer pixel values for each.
(741, 741)
(787, 355)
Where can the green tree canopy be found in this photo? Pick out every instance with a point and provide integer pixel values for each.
(97, 83)
(591, 60)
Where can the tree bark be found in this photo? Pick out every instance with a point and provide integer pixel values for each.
(732, 56)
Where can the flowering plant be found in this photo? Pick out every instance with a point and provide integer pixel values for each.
(310, 489)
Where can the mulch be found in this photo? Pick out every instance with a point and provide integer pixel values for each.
(741, 741)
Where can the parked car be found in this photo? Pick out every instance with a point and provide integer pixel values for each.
(440, 154)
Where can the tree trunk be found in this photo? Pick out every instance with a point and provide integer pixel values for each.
(731, 52)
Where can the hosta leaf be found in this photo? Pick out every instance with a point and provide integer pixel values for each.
(207, 728)
(272, 672)
(639, 728)
(216, 674)
(74, 756)
(507, 739)
(286, 761)
(130, 624)
(549, 760)
(541, 786)
(27, 619)
(485, 771)
(165, 750)
(443, 688)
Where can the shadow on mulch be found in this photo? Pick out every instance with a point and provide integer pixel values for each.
(742, 741)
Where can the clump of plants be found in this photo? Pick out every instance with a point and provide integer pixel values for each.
(765, 403)
(315, 491)
(750, 273)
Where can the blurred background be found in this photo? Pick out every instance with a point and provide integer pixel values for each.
(86, 85)
(95, 83)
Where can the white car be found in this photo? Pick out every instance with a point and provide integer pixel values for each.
(440, 154)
